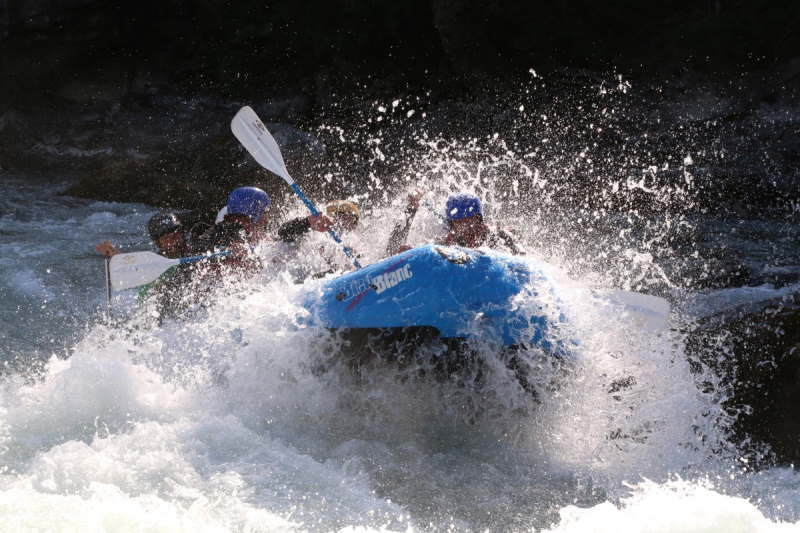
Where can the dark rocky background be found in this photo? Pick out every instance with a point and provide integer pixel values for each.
(133, 100)
(139, 94)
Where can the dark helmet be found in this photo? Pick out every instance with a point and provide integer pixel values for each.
(250, 201)
(462, 205)
(162, 223)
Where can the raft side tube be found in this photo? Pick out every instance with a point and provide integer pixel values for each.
(458, 291)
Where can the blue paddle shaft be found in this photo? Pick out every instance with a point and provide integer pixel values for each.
(309, 204)
(311, 207)
(196, 258)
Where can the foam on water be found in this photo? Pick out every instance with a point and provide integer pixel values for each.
(675, 506)
(225, 421)
(120, 434)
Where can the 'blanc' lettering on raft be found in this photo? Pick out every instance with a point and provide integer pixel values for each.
(386, 281)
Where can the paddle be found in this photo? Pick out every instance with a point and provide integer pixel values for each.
(126, 271)
(256, 139)
(650, 312)
(107, 264)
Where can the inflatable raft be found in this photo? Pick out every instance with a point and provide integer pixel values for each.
(459, 292)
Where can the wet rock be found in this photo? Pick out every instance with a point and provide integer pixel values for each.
(189, 175)
(166, 180)
(571, 125)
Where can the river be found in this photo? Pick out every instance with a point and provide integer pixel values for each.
(223, 421)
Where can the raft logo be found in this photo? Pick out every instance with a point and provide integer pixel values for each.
(392, 276)
(388, 280)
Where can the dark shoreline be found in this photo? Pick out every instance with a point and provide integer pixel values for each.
(162, 148)
(135, 97)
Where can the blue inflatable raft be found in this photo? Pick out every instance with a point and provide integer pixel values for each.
(461, 293)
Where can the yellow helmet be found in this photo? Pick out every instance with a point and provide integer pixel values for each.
(342, 206)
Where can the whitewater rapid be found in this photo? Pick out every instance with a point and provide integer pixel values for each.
(239, 419)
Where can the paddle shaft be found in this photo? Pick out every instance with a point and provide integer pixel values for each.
(196, 258)
(108, 287)
(314, 211)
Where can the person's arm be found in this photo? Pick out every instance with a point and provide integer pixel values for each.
(397, 239)
(294, 229)
(508, 241)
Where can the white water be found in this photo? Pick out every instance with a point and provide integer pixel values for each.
(223, 422)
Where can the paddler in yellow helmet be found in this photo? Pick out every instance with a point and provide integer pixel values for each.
(340, 215)
(344, 215)
(321, 258)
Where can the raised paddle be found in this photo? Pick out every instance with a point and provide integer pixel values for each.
(256, 139)
(649, 312)
(126, 271)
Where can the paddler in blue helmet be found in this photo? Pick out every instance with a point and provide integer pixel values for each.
(242, 227)
(464, 216)
(238, 232)
(247, 206)
(465, 225)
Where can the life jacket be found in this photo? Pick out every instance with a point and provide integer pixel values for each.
(233, 234)
(487, 236)
(475, 240)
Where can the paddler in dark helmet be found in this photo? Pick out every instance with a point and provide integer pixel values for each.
(170, 238)
(172, 241)
(167, 233)
(465, 225)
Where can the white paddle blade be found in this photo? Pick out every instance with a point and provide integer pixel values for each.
(649, 312)
(137, 268)
(254, 136)
(221, 215)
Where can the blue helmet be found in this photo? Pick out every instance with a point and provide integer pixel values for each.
(250, 201)
(462, 205)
